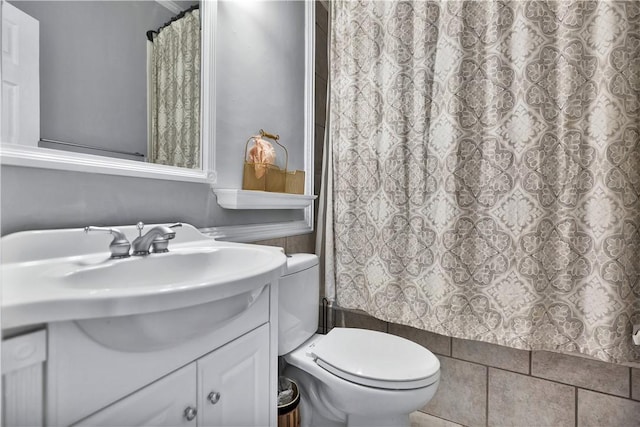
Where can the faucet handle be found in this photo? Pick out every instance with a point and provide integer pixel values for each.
(161, 243)
(140, 226)
(119, 246)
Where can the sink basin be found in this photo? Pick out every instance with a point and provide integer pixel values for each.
(164, 329)
(58, 275)
(166, 271)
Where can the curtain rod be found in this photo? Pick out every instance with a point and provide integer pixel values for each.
(74, 144)
(150, 33)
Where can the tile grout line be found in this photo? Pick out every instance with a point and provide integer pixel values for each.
(554, 381)
(581, 387)
(442, 418)
(501, 368)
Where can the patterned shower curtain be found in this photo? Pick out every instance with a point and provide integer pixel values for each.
(175, 94)
(486, 180)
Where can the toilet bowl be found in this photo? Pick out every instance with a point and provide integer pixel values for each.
(349, 377)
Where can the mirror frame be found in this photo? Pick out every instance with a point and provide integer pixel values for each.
(46, 158)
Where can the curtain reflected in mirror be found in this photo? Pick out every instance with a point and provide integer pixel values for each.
(174, 68)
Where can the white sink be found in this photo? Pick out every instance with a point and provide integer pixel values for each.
(165, 271)
(59, 275)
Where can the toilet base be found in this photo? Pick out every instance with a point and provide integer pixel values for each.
(317, 410)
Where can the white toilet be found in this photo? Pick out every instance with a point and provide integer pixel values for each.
(349, 377)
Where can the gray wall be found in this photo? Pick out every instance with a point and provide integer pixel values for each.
(34, 198)
(259, 81)
(93, 70)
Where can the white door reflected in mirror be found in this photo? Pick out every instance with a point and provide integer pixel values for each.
(20, 77)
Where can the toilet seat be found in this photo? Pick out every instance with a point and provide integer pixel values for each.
(376, 359)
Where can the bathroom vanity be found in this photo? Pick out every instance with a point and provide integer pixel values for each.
(187, 337)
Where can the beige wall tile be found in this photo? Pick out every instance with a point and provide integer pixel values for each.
(635, 383)
(520, 400)
(434, 342)
(321, 99)
(462, 393)
(420, 419)
(497, 356)
(354, 319)
(597, 410)
(318, 147)
(581, 372)
(304, 243)
(321, 102)
(280, 242)
(322, 16)
(322, 63)
(317, 184)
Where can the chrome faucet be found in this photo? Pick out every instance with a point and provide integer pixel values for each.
(119, 246)
(158, 237)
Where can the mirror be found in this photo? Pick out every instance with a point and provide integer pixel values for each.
(105, 96)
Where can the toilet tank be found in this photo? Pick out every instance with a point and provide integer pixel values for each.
(298, 298)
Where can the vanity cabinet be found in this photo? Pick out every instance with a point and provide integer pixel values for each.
(228, 387)
(23, 363)
(228, 375)
(138, 341)
(163, 403)
(233, 383)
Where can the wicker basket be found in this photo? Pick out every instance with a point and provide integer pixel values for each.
(294, 182)
(274, 179)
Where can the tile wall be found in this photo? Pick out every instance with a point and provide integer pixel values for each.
(489, 385)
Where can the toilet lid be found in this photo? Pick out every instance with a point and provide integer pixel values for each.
(376, 359)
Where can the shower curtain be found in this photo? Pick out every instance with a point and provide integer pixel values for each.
(486, 169)
(175, 93)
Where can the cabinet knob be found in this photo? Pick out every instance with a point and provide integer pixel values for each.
(190, 413)
(213, 397)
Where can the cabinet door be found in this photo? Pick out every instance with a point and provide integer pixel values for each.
(163, 403)
(233, 383)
